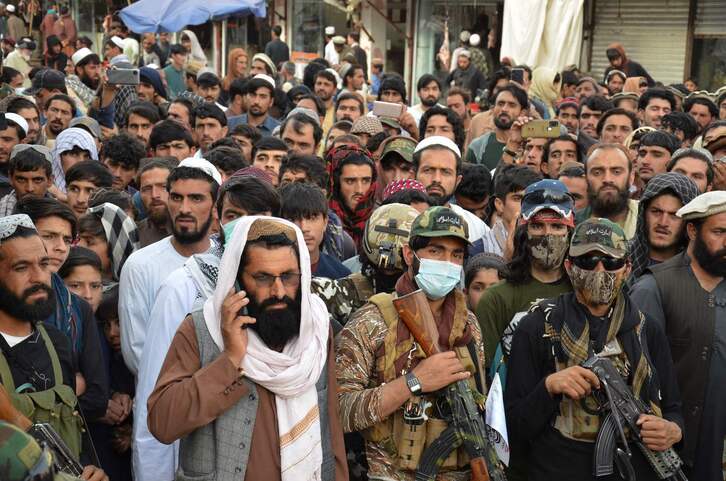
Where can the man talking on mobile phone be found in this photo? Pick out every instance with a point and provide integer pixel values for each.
(251, 376)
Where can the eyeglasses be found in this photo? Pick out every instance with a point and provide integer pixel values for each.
(41, 149)
(44, 469)
(589, 263)
(288, 279)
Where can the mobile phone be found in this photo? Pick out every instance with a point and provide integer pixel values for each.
(123, 76)
(243, 311)
(387, 109)
(546, 129)
(517, 75)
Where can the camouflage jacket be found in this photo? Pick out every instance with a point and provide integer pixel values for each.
(359, 394)
(344, 296)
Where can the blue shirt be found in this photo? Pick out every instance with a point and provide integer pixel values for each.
(266, 127)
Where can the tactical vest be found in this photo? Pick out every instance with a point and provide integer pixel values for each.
(573, 420)
(57, 406)
(219, 451)
(404, 438)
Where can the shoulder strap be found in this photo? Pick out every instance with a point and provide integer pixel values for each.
(5, 375)
(55, 362)
(384, 302)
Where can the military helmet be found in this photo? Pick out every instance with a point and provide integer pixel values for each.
(386, 232)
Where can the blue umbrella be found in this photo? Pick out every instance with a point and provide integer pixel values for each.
(173, 15)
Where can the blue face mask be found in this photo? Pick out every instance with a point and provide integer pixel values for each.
(437, 278)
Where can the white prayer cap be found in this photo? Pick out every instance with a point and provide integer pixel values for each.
(9, 224)
(118, 41)
(440, 141)
(80, 55)
(475, 40)
(266, 78)
(203, 165)
(10, 8)
(329, 31)
(18, 120)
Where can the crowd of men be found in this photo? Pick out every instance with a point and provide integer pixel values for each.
(200, 273)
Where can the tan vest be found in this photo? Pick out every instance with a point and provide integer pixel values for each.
(403, 439)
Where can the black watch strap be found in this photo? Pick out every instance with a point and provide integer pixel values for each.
(414, 385)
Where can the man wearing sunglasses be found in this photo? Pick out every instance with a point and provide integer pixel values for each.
(226, 385)
(686, 295)
(547, 388)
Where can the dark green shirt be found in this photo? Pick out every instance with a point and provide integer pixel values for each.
(501, 302)
(485, 150)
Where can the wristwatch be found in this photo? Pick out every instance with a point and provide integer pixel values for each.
(414, 385)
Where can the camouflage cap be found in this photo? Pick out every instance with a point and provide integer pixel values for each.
(387, 230)
(402, 146)
(19, 453)
(440, 222)
(269, 227)
(599, 235)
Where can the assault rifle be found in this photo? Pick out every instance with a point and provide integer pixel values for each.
(622, 410)
(43, 433)
(456, 404)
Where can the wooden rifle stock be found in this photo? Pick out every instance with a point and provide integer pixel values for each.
(10, 414)
(413, 309)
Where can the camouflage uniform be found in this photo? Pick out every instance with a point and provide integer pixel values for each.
(371, 339)
(360, 398)
(20, 453)
(386, 231)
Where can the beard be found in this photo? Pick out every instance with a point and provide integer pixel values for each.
(89, 82)
(189, 236)
(275, 326)
(438, 198)
(158, 216)
(606, 207)
(712, 262)
(18, 307)
(503, 124)
(429, 101)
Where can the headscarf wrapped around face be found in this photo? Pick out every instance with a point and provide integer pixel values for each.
(196, 51)
(67, 140)
(668, 183)
(353, 221)
(544, 88)
(232, 58)
(122, 236)
(291, 375)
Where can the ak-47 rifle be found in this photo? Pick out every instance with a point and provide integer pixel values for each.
(43, 433)
(457, 404)
(622, 410)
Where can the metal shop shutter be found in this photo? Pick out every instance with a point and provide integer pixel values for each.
(652, 32)
(710, 18)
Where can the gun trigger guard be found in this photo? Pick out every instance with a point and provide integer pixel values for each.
(586, 407)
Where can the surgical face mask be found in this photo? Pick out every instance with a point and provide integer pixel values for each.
(437, 278)
(228, 228)
(548, 250)
(596, 287)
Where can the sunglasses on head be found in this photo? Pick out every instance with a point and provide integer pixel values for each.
(547, 196)
(589, 262)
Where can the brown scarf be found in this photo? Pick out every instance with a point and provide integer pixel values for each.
(454, 331)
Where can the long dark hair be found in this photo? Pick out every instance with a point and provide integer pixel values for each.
(520, 264)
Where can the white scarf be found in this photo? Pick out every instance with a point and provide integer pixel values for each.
(291, 374)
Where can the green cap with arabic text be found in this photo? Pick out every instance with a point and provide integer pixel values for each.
(599, 235)
(440, 222)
